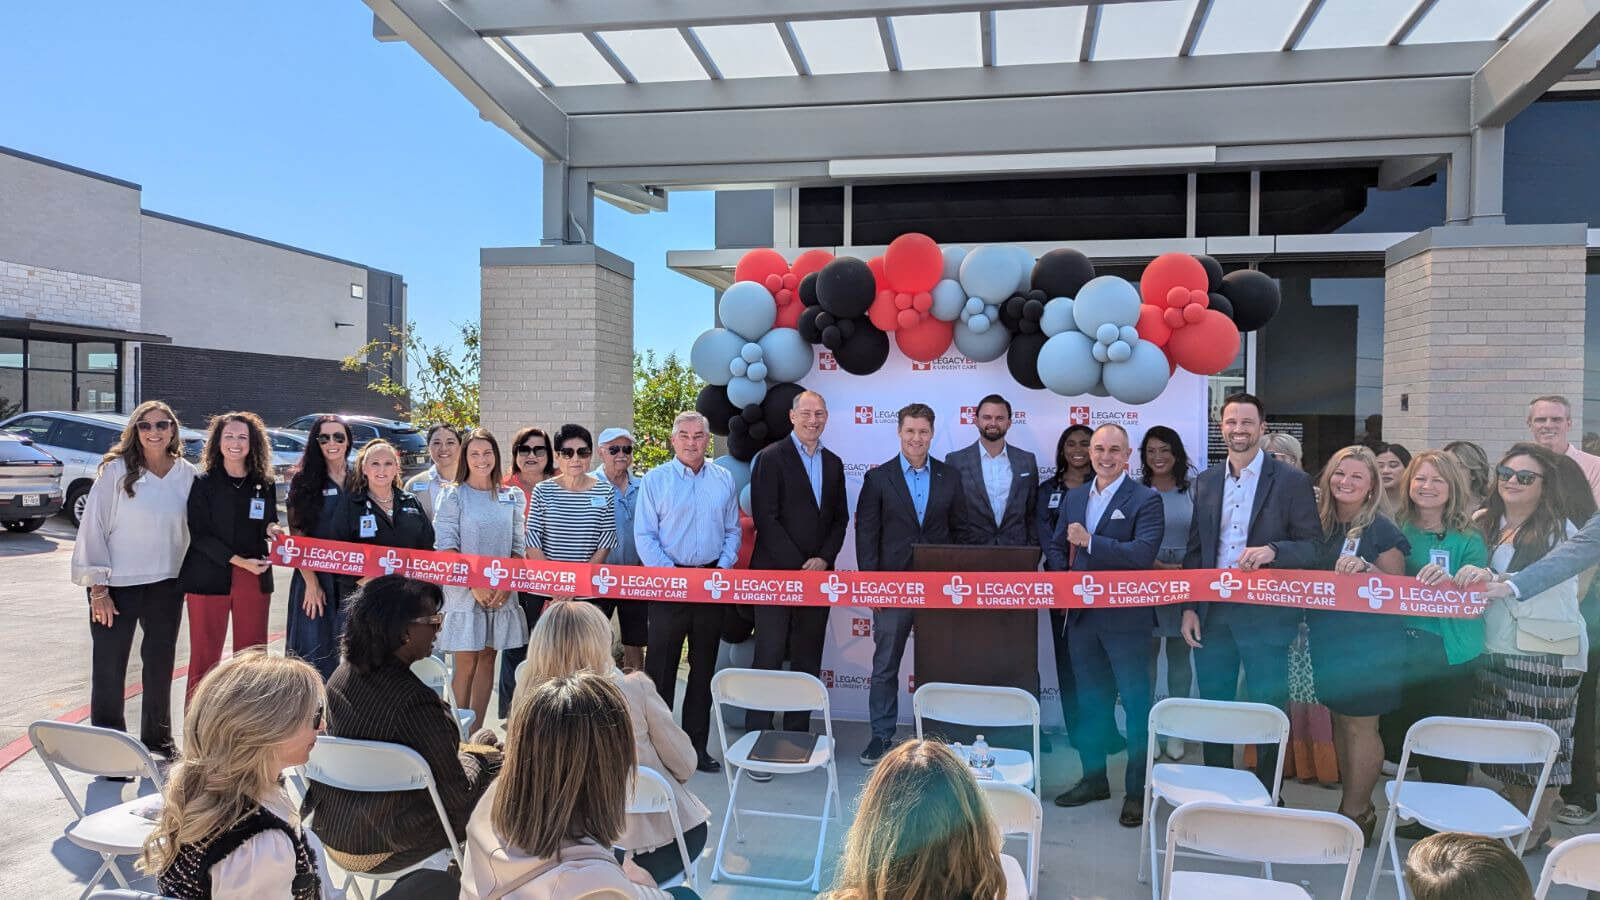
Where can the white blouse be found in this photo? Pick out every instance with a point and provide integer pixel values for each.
(124, 541)
(263, 866)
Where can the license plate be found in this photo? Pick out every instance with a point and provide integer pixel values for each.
(32, 499)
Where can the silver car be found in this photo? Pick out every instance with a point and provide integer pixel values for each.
(30, 484)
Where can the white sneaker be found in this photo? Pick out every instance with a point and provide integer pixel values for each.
(1574, 814)
(1175, 748)
(1390, 768)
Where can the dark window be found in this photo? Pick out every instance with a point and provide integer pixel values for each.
(283, 443)
(49, 390)
(11, 352)
(301, 424)
(1414, 208)
(1551, 175)
(10, 392)
(85, 437)
(22, 451)
(1591, 357)
(41, 374)
(363, 433)
(97, 357)
(1222, 204)
(408, 440)
(36, 428)
(822, 217)
(1313, 201)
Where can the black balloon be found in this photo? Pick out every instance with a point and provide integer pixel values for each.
(832, 339)
(846, 287)
(713, 403)
(1254, 297)
(808, 290)
(807, 326)
(741, 445)
(1062, 272)
(752, 413)
(1021, 312)
(1221, 305)
(1213, 272)
(1022, 358)
(865, 351)
(775, 409)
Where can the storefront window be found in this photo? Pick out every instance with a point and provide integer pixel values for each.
(45, 374)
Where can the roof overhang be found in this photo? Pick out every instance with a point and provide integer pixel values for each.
(17, 326)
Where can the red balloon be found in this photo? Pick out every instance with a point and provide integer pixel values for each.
(1153, 326)
(789, 315)
(790, 282)
(907, 318)
(902, 300)
(1177, 297)
(876, 265)
(808, 262)
(922, 302)
(927, 340)
(756, 265)
(882, 312)
(784, 297)
(747, 541)
(1193, 313)
(1205, 347)
(1173, 318)
(913, 263)
(1171, 270)
(774, 283)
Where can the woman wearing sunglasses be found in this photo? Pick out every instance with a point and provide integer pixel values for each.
(572, 517)
(1537, 647)
(315, 618)
(532, 461)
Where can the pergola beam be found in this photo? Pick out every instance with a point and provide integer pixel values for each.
(1554, 40)
(1197, 21)
(1411, 21)
(1302, 23)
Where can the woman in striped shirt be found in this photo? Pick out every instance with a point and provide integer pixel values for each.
(572, 517)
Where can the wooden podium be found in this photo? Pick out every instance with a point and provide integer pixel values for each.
(990, 646)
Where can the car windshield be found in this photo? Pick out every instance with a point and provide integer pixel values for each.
(22, 452)
(193, 449)
(408, 440)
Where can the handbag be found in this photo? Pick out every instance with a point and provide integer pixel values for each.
(1548, 622)
(582, 851)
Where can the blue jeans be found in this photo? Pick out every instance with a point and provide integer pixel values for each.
(315, 640)
(1266, 680)
(1105, 663)
(890, 628)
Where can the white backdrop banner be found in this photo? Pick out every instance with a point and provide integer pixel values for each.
(862, 430)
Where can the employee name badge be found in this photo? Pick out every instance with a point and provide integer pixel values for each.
(369, 525)
(258, 508)
(1055, 499)
(505, 495)
(1439, 557)
(330, 492)
(1350, 545)
(597, 502)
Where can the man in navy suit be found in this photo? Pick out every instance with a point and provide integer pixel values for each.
(1002, 481)
(1250, 512)
(1110, 523)
(911, 499)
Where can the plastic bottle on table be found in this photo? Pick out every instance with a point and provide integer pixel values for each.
(980, 758)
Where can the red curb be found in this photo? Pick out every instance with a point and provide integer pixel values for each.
(21, 747)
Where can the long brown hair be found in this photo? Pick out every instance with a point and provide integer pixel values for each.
(1457, 515)
(258, 463)
(127, 447)
(922, 831)
(464, 470)
(1545, 525)
(305, 491)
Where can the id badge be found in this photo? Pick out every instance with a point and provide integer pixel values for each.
(597, 502)
(1351, 544)
(1440, 558)
(258, 508)
(330, 492)
(505, 497)
(369, 525)
(1055, 500)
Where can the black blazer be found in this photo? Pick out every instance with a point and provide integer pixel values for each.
(1126, 542)
(886, 519)
(1284, 517)
(220, 528)
(409, 529)
(1019, 523)
(790, 527)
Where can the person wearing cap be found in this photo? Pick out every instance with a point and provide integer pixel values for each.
(616, 466)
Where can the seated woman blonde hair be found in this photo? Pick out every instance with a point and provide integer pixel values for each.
(922, 831)
(574, 637)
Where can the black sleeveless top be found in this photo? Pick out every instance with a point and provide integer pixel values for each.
(189, 875)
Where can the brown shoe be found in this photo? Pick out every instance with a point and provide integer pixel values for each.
(1132, 812)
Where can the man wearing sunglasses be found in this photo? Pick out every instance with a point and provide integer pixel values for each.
(616, 466)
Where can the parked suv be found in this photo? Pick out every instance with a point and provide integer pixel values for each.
(405, 437)
(79, 440)
(30, 484)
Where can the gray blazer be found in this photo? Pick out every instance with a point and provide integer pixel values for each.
(1019, 526)
(1567, 559)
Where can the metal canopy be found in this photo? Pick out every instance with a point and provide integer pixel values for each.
(638, 95)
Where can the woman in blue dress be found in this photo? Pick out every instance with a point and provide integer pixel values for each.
(316, 618)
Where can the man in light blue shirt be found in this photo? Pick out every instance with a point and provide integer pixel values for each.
(687, 516)
(616, 466)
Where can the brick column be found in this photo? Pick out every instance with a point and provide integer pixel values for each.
(557, 326)
(1477, 321)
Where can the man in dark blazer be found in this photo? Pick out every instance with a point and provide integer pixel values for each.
(1250, 512)
(911, 499)
(798, 503)
(1110, 523)
(1002, 482)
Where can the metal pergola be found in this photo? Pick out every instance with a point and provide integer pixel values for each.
(628, 99)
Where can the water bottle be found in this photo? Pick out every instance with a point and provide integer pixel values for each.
(980, 758)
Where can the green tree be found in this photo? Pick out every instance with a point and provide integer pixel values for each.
(661, 390)
(443, 384)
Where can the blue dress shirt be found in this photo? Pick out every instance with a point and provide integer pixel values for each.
(624, 553)
(917, 484)
(686, 518)
(813, 464)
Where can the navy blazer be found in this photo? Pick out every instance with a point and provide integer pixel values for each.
(1019, 522)
(790, 527)
(1283, 517)
(1125, 542)
(886, 519)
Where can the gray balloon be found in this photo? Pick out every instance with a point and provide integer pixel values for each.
(1066, 365)
(949, 298)
(744, 500)
(952, 262)
(982, 346)
(787, 355)
(992, 273)
(739, 469)
(748, 310)
(1057, 317)
(711, 353)
(1105, 300)
(1141, 378)
(742, 392)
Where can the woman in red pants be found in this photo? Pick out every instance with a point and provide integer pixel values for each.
(233, 510)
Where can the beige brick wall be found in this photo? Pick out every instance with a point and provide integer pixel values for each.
(1472, 334)
(557, 347)
(36, 292)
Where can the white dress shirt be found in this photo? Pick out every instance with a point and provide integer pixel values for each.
(1098, 502)
(1238, 499)
(124, 541)
(263, 866)
(996, 479)
(686, 518)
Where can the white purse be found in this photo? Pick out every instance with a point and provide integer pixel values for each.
(1548, 622)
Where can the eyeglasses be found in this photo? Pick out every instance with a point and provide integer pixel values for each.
(620, 450)
(435, 620)
(1523, 477)
(579, 452)
(531, 451)
(316, 720)
(335, 438)
(161, 425)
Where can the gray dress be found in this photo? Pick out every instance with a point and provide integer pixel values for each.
(485, 523)
(1179, 509)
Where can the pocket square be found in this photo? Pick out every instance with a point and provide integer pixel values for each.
(1117, 514)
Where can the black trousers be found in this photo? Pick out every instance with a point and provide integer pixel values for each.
(796, 634)
(1266, 680)
(158, 609)
(670, 625)
(1582, 788)
(1431, 687)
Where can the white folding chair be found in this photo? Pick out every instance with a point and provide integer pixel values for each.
(983, 706)
(651, 792)
(435, 674)
(377, 767)
(767, 690)
(1267, 835)
(1018, 813)
(1575, 861)
(115, 831)
(1456, 807)
(1177, 784)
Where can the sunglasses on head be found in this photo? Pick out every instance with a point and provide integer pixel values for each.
(570, 452)
(621, 450)
(526, 450)
(159, 425)
(435, 620)
(316, 720)
(336, 438)
(1523, 477)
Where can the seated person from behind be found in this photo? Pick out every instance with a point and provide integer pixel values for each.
(1455, 866)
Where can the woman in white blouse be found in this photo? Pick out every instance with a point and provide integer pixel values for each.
(227, 830)
(444, 448)
(130, 545)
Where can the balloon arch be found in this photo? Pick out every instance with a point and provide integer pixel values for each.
(1058, 325)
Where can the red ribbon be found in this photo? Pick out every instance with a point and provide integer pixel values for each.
(1300, 589)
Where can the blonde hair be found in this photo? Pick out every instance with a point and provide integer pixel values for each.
(358, 478)
(1282, 442)
(240, 713)
(572, 636)
(922, 831)
(1457, 514)
(1456, 866)
(130, 451)
(1328, 510)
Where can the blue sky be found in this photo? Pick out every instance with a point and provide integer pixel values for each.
(288, 121)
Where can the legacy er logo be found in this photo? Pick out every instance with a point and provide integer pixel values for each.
(863, 415)
(835, 589)
(1375, 592)
(603, 580)
(957, 590)
(391, 562)
(716, 584)
(288, 550)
